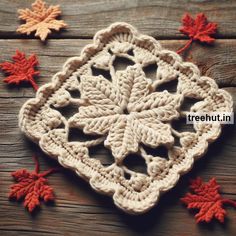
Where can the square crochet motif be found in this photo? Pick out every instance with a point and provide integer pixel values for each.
(127, 113)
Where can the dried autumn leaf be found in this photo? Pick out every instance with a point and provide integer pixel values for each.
(207, 199)
(40, 19)
(22, 69)
(32, 186)
(197, 29)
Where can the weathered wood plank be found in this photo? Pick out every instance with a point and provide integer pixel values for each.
(80, 220)
(157, 18)
(218, 61)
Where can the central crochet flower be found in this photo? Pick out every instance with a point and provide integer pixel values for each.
(127, 111)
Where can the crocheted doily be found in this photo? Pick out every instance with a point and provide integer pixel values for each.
(126, 113)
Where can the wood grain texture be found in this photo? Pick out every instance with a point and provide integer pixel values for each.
(78, 209)
(159, 18)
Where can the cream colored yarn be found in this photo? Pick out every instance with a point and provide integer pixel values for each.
(126, 113)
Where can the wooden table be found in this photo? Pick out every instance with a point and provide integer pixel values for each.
(78, 210)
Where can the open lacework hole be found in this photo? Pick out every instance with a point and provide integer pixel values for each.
(121, 63)
(77, 135)
(66, 111)
(170, 86)
(177, 142)
(188, 103)
(160, 151)
(110, 51)
(136, 163)
(102, 154)
(150, 71)
(130, 52)
(74, 93)
(181, 126)
(105, 73)
(127, 175)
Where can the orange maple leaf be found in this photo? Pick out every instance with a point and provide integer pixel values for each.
(40, 19)
(32, 186)
(207, 199)
(22, 69)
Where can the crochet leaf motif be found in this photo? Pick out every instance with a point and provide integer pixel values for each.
(22, 69)
(127, 110)
(198, 28)
(32, 186)
(206, 197)
(40, 19)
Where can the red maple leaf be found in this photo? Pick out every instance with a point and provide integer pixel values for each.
(32, 186)
(22, 69)
(207, 199)
(197, 29)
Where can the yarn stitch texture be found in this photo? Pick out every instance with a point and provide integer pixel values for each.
(41, 19)
(125, 113)
(22, 69)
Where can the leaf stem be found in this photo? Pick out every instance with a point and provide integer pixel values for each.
(229, 201)
(46, 172)
(36, 161)
(34, 85)
(187, 45)
(50, 171)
